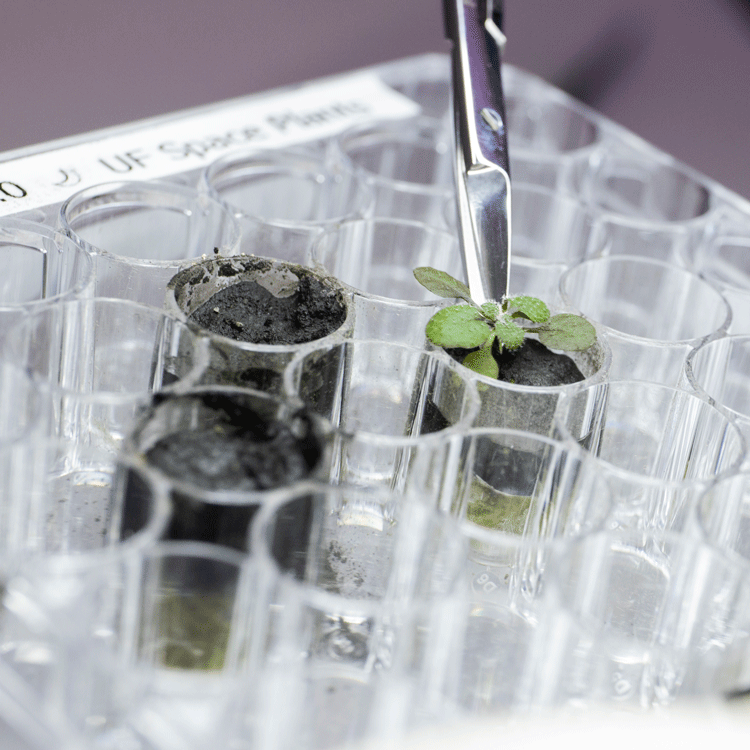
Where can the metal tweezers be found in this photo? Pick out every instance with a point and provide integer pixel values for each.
(482, 173)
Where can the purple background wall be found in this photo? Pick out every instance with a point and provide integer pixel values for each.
(677, 72)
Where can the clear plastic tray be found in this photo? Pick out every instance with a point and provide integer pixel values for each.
(645, 602)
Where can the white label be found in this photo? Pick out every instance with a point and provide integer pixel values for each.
(192, 141)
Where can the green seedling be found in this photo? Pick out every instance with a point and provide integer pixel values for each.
(477, 327)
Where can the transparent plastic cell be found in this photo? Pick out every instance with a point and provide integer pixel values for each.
(653, 313)
(40, 268)
(408, 166)
(283, 199)
(725, 261)
(140, 234)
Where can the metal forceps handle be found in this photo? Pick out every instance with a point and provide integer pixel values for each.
(482, 175)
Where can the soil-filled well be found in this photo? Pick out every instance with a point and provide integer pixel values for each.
(223, 450)
(259, 311)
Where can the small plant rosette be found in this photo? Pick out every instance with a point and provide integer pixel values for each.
(531, 408)
(506, 404)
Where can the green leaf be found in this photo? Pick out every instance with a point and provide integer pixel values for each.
(442, 283)
(529, 307)
(482, 362)
(570, 333)
(458, 326)
(491, 310)
(510, 335)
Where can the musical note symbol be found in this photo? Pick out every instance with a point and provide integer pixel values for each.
(70, 178)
